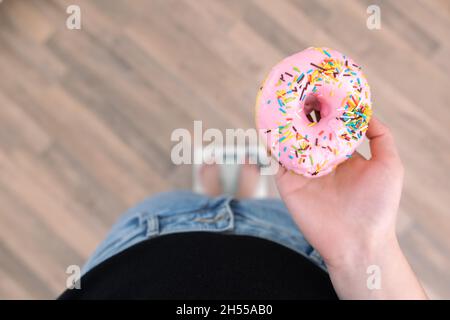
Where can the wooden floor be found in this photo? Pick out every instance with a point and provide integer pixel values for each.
(86, 116)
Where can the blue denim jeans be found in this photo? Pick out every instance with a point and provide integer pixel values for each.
(184, 211)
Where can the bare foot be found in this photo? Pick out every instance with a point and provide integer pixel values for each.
(248, 181)
(210, 179)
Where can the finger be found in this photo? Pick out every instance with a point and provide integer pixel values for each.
(281, 171)
(357, 155)
(288, 178)
(382, 144)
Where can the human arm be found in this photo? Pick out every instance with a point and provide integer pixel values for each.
(349, 216)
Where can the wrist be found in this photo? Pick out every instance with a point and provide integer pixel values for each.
(362, 254)
(378, 271)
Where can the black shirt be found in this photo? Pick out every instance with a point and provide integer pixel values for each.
(204, 265)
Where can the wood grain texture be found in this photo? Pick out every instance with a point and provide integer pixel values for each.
(86, 116)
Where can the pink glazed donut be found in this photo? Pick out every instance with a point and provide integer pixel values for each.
(312, 110)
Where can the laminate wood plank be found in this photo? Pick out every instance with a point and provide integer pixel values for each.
(30, 23)
(34, 255)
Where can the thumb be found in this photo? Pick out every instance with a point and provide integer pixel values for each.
(382, 144)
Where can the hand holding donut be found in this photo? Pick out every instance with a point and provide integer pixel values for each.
(312, 111)
(353, 207)
(349, 216)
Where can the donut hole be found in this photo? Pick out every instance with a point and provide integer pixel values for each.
(314, 109)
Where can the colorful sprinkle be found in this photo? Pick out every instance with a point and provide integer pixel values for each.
(326, 52)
